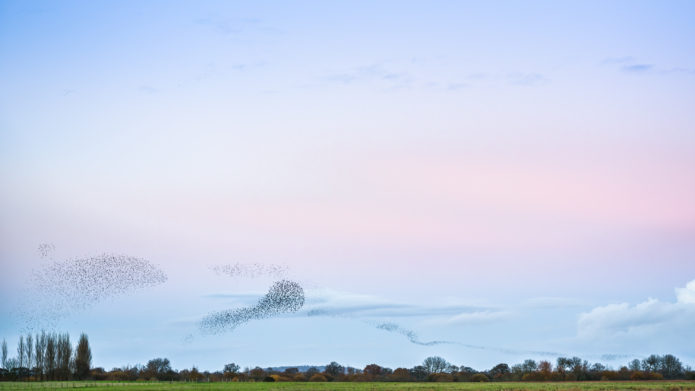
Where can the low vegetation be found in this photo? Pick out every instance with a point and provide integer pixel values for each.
(366, 386)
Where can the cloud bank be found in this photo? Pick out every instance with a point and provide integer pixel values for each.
(652, 324)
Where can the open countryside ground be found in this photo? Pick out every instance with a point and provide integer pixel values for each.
(507, 386)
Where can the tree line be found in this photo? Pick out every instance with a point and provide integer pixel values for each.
(437, 369)
(47, 356)
(50, 356)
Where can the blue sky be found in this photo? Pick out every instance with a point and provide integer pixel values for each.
(511, 177)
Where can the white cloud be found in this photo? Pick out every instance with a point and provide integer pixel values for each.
(622, 319)
(651, 324)
(478, 317)
(351, 305)
(551, 302)
(687, 294)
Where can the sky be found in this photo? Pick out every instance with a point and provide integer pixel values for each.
(512, 179)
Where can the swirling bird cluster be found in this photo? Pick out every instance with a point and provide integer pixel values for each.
(283, 297)
(61, 288)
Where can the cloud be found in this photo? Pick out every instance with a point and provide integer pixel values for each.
(227, 26)
(526, 79)
(653, 319)
(617, 60)
(617, 319)
(372, 309)
(687, 71)
(147, 89)
(635, 68)
(332, 303)
(457, 86)
(375, 73)
(479, 317)
(390, 310)
(686, 295)
(629, 64)
(551, 302)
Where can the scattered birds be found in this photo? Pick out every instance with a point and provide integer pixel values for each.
(46, 250)
(251, 270)
(410, 334)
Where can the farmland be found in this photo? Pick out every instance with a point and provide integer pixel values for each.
(362, 386)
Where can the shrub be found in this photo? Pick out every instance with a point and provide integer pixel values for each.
(609, 376)
(401, 374)
(655, 376)
(479, 377)
(318, 377)
(533, 376)
(440, 377)
(638, 375)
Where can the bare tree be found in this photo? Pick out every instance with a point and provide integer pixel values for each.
(435, 364)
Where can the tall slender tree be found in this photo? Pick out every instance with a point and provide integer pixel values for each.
(20, 351)
(40, 353)
(29, 351)
(50, 356)
(83, 357)
(64, 356)
(4, 353)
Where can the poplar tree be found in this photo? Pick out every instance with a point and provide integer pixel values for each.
(4, 354)
(40, 353)
(20, 351)
(29, 351)
(63, 356)
(83, 357)
(50, 356)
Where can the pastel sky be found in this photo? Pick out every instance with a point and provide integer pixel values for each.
(516, 178)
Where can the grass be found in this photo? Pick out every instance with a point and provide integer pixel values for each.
(379, 386)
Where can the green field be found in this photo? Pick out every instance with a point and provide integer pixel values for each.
(507, 386)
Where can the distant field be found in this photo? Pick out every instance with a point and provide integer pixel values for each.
(154, 386)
